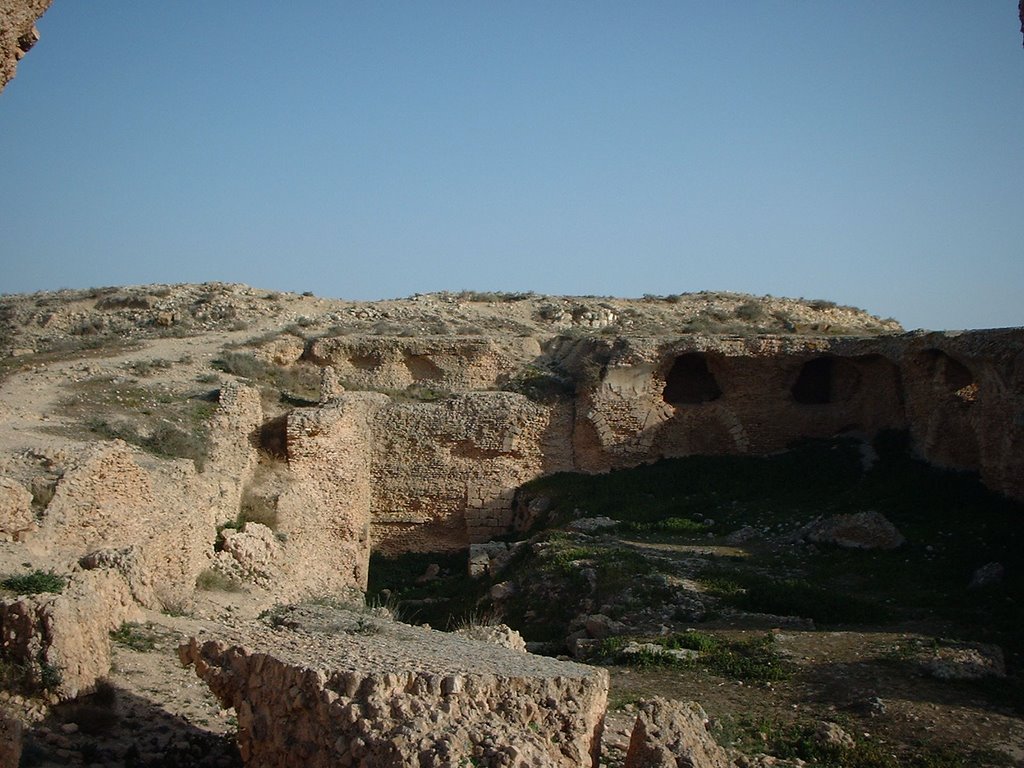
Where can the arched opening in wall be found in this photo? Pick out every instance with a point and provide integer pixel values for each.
(813, 385)
(272, 437)
(689, 381)
(953, 377)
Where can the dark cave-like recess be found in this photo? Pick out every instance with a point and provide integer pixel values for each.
(814, 384)
(690, 381)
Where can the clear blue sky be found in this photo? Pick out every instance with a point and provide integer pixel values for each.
(868, 152)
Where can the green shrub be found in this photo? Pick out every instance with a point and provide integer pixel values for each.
(210, 580)
(35, 583)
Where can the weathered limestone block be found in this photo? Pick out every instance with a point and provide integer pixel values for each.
(672, 734)
(15, 509)
(18, 33)
(964, 661)
(341, 688)
(105, 498)
(63, 639)
(128, 562)
(964, 396)
(499, 634)
(231, 454)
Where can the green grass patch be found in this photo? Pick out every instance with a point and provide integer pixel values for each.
(800, 741)
(163, 422)
(748, 659)
(138, 637)
(210, 580)
(676, 526)
(756, 593)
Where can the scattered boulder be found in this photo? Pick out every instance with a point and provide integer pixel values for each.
(671, 734)
(860, 530)
(491, 557)
(502, 591)
(251, 554)
(431, 573)
(634, 648)
(600, 626)
(741, 535)
(829, 734)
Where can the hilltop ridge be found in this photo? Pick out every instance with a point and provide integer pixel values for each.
(55, 320)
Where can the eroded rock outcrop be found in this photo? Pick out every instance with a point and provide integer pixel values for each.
(440, 474)
(334, 687)
(448, 363)
(18, 33)
(859, 530)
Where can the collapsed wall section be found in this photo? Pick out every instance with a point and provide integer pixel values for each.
(705, 395)
(153, 520)
(324, 514)
(965, 403)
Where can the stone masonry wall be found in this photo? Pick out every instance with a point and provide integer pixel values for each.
(441, 474)
(63, 639)
(444, 473)
(330, 687)
(455, 364)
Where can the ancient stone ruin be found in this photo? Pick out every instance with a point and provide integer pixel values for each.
(418, 443)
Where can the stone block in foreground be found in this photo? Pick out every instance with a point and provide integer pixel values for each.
(672, 734)
(333, 687)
